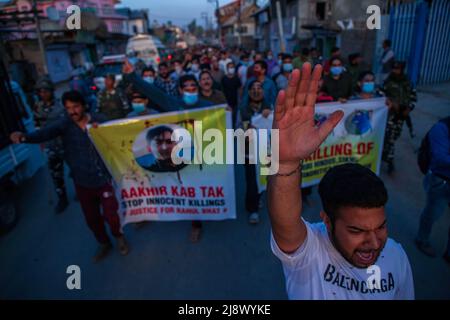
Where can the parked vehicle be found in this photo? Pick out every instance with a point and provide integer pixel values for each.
(18, 162)
(146, 48)
(108, 65)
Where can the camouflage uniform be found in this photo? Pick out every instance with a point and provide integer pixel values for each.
(400, 92)
(112, 104)
(45, 114)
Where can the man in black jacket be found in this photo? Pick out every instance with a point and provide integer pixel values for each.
(92, 179)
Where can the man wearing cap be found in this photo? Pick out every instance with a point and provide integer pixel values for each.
(48, 110)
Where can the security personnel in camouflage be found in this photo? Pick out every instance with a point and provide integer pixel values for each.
(400, 100)
(111, 101)
(46, 111)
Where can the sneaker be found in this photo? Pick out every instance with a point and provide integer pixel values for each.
(62, 204)
(425, 248)
(196, 233)
(122, 246)
(253, 218)
(102, 252)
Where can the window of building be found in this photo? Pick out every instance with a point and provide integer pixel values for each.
(321, 10)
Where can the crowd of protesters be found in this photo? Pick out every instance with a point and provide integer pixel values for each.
(247, 82)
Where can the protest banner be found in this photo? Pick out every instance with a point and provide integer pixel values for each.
(358, 138)
(149, 186)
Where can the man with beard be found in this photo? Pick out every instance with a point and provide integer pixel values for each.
(91, 178)
(331, 259)
(165, 82)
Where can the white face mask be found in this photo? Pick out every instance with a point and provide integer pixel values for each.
(149, 79)
(195, 68)
(231, 70)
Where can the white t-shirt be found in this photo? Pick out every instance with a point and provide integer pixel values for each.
(223, 64)
(318, 271)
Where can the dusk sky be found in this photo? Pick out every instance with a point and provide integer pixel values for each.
(180, 12)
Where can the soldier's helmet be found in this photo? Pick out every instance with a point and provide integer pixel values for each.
(45, 83)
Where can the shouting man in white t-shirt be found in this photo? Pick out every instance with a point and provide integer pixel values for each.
(349, 254)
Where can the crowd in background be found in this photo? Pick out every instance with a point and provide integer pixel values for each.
(247, 82)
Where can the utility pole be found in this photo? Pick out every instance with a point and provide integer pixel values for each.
(219, 32)
(239, 24)
(39, 37)
(280, 27)
(219, 28)
(204, 16)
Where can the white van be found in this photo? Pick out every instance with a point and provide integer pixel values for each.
(144, 47)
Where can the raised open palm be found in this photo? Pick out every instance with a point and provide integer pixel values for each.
(294, 116)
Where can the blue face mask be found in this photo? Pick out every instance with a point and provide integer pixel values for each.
(368, 87)
(280, 62)
(149, 79)
(288, 67)
(138, 107)
(190, 98)
(335, 71)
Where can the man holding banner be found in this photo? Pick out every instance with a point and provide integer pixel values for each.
(333, 259)
(189, 92)
(91, 178)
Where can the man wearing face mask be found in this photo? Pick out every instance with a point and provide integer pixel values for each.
(164, 82)
(139, 105)
(148, 74)
(338, 83)
(224, 60)
(365, 88)
(231, 87)
(111, 100)
(242, 68)
(271, 62)
(177, 70)
(195, 68)
(187, 87)
(281, 80)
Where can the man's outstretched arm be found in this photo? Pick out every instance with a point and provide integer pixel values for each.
(166, 102)
(47, 133)
(298, 138)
